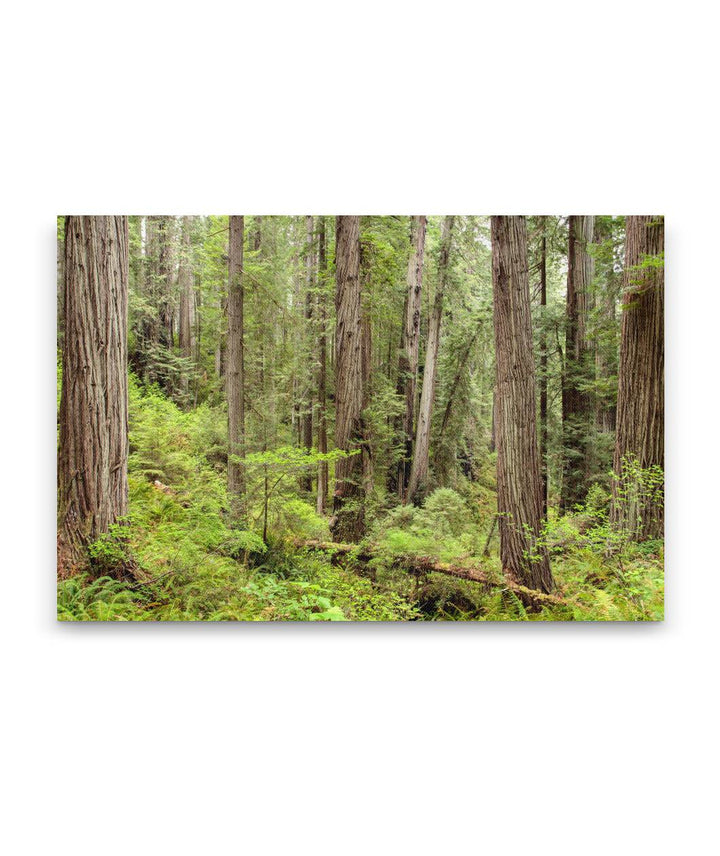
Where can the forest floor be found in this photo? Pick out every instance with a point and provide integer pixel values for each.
(193, 566)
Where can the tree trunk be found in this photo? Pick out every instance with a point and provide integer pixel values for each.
(93, 452)
(421, 457)
(408, 362)
(366, 352)
(606, 338)
(187, 292)
(524, 558)
(348, 505)
(164, 273)
(579, 372)
(543, 371)
(637, 505)
(235, 370)
(322, 481)
(307, 415)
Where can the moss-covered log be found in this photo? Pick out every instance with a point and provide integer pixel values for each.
(429, 565)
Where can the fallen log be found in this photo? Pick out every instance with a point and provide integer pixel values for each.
(428, 565)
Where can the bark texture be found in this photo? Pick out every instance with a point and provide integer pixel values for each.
(322, 481)
(366, 367)
(421, 456)
(640, 439)
(235, 369)
(348, 505)
(307, 415)
(93, 451)
(579, 368)
(186, 322)
(524, 559)
(543, 370)
(410, 346)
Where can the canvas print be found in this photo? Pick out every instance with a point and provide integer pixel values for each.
(360, 418)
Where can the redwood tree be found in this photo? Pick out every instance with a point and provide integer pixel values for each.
(640, 437)
(523, 556)
(410, 346)
(93, 451)
(307, 413)
(348, 509)
(421, 456)
(579, 368)
(322, 480)
(235, 370)
(543, 368)
(187, 294)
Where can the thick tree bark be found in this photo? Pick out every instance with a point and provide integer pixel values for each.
(307, 415)
(578, 375)
(93, 451)
(637, 505)
(322, 481)
(523, 555)
(410, 346)
(187, 293)
(366, 352)
(235, 371)
(421, 457)
(543, 371)
(348, 524)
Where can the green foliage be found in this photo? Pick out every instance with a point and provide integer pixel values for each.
(83, 598)
(109, 555)
(639, 492)
(441, 529)
(193, 565)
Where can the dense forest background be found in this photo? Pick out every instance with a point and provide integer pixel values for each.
(360, 418)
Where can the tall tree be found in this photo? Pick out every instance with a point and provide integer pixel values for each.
(421, 456)
(93, 451)
(410, 345)
(640, 437)
(322, 481)
(606, 332)
(165, 265)
(348, 508)
(543, 368)
(524, 558)
(187, 294)
(235, 370)
(307, 413)
(366, 367)
(579, 369)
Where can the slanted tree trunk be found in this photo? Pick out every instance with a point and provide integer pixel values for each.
(322, 481)
(235, 370)
(93, 451)
(637, 505)
(524, 557)
(579, 371)
(421, 456)
(543, 370)
(348, 524)
(410, 346)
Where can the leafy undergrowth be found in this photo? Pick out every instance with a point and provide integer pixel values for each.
(193, 567)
